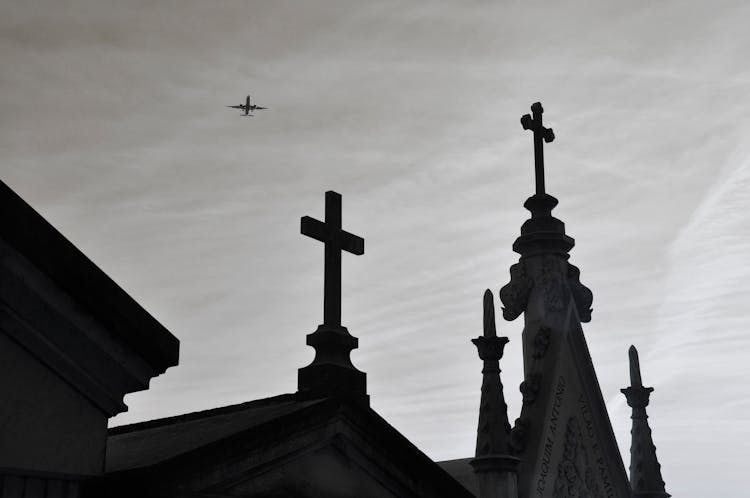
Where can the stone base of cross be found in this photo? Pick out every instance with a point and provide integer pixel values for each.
(331, 372)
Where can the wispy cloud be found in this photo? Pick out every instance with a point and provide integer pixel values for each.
(114, 128)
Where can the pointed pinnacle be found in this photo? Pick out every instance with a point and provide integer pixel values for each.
(635, 368)
(489, 315)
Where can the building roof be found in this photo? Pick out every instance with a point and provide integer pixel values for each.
(154, 450)
(50, 252)
(156, 441)
(462, 471)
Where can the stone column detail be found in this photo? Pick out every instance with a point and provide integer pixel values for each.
(494, 465)
(645, 471)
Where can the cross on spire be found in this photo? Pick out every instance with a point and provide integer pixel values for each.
(540, 132)
(335, 240)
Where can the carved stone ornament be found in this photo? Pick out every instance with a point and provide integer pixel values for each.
(518, 436)
(541, 342)
(515, 294)
(582, 295)
(575, 474)
(530, 388)
(637, 397)
(552, 284)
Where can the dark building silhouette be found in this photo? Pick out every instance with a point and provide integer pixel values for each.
(73, 343)
(563, 438)
(645, 471)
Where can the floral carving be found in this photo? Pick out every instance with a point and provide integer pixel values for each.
(515, 294)
(518, 436)
(530, 388)
(575, 476)
(541, 342)
(551, 283)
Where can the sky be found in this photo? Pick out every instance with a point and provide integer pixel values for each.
(113, 126)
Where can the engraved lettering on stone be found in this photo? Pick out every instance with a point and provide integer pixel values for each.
(601, 463)
(549, 441)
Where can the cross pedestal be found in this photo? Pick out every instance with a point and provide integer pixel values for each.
(543, 233)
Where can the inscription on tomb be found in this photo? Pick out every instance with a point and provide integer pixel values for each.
(600, 463)
(549, 441)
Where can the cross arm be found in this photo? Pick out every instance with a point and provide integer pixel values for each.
(351, 243)
(320, 231)
(535, 124)
(313, 228)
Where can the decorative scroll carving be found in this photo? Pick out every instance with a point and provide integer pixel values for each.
(518, 436)
(552, 281)
(515, 294)
(541, 342)
(530, 388)
(582, 295)
(575, 475)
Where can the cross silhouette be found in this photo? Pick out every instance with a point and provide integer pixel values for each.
(540, 132)
(335, 240)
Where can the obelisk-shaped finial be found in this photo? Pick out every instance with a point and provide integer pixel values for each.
(635, 368)
(494, 466)
(645, 471)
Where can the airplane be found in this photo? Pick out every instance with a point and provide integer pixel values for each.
(247, 107)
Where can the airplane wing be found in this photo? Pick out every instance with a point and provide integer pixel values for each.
(241, 106)
(259, 107)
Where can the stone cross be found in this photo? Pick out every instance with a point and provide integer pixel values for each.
(540, 132)
(335, 240)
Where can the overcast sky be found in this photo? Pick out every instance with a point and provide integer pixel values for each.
(113, 126)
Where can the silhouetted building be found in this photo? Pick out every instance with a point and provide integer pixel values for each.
(73, 343)
(563, 439)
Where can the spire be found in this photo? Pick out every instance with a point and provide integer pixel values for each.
(645, 471)
(542, 233)
(331, 372)
(494, 465)
(563, 435)
(543, 236)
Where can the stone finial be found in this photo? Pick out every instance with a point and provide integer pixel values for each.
(494, 465)
(645, 471)
(543, 239)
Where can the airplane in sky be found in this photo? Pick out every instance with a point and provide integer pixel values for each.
(247, 107)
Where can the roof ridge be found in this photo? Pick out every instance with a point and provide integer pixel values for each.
(185, 417)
